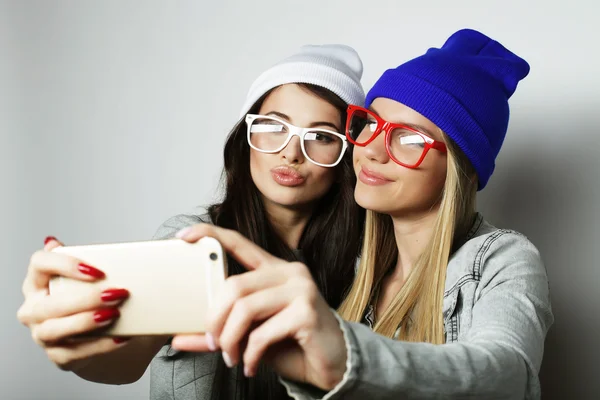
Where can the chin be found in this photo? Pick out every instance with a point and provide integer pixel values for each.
(285, 197)
(370, 200)
(286, 201)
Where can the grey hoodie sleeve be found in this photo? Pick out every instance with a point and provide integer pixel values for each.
(174, 224)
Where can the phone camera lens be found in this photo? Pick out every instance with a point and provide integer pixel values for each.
(213, 256)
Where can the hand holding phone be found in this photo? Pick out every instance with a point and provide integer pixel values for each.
(171, 283)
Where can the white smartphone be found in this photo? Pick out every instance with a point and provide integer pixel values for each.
(171, 283)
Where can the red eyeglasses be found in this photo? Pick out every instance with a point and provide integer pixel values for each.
(405, 145)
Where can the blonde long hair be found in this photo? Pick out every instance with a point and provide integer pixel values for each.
(417, 307)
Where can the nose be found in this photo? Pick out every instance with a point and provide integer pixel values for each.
(376, 150)
(292, 153)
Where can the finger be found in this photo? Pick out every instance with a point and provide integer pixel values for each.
(44, 265)
(196, 343)
(65, 355)
(57, 329)
(51, 243)
(254, 308)
(41, 306)
(281, 326)
(243, 250)
(237, 287)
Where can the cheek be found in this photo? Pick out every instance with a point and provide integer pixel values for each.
(356, 156)
(322, 179)
(435, 174)
(258, 166)
(422, 187)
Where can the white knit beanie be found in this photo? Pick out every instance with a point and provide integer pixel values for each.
(335, 67)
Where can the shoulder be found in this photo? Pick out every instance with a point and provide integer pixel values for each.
(490, 252)
(504, 246)
(172, 225)
(504, 266)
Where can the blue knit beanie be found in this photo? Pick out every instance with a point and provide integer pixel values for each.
(463, 88)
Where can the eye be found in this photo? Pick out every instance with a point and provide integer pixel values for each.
(372, 125)
(323, 137)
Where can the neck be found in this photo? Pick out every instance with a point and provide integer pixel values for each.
(412, 236)
(288, 223)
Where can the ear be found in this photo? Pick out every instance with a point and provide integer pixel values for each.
(473, 178)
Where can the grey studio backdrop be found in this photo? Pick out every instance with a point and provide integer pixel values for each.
(113, 115)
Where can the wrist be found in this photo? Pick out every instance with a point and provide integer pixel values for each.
(338, 350)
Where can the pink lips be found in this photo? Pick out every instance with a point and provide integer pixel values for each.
(371, 178)
(287, 176)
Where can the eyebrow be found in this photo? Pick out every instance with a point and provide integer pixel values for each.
(312, 125)
(414, 126)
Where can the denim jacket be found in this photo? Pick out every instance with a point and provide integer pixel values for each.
(496, 314)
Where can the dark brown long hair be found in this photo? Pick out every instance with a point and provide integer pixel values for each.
(330, 242)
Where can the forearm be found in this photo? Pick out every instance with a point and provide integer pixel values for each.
(388, 369)
(382, 368)
(122, 366)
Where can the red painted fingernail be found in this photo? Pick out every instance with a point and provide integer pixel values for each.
(49, 239)
(114, 294)
(119, 340)
(91, 271)
(106, 314)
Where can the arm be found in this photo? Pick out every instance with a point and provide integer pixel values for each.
(500, 355)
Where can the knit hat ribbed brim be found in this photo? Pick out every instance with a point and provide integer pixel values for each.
(335, 67)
